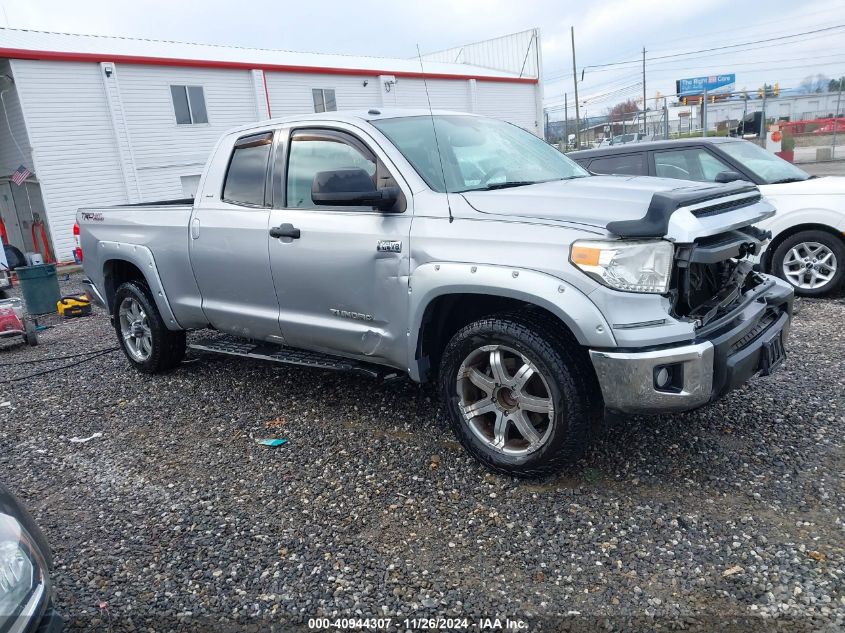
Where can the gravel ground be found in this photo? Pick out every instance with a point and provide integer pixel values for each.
(731, 515)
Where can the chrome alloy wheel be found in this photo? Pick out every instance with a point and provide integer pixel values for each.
(809, 265)
(505, 400)
(135, 329)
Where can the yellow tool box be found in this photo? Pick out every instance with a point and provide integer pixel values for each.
(73, 306)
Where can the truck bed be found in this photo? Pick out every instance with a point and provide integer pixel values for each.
(126, 232)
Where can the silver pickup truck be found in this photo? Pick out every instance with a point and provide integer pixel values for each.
(457, 249)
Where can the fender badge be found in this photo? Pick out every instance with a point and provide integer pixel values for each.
(389, 246)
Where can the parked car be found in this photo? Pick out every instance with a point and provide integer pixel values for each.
(808, 244)
(26, 604)
(479, 257)
(624, 139)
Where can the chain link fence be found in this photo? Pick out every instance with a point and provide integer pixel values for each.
(811, 126)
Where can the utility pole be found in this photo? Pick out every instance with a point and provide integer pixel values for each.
(575, 80)
(666, 118)
(645, 116)
(566, 117)
(704, 113)
(836, 119)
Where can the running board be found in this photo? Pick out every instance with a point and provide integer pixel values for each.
(235, 346)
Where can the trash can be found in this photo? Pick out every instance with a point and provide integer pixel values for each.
(40, 288)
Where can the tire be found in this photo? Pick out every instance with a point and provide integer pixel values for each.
(559, 376)
(148, 344)
(798, 250)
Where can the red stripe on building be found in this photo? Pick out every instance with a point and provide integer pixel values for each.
(19, 53)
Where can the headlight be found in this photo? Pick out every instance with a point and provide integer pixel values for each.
(633, 266)
(22, 584)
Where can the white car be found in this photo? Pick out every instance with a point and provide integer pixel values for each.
(808, 231)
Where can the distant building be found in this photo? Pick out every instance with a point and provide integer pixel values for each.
(110, 120)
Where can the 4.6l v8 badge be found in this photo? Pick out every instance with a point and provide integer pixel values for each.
(389, 246)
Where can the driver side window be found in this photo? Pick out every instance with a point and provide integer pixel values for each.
(313, 152)
(688, 164)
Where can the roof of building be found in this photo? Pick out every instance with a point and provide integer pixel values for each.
(44, 45)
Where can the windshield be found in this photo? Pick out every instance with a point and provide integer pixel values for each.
(476, 153)
(764, 164)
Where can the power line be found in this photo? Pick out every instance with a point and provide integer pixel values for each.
(616, 88)
(771, 41)
(667, 64)
(719, 48)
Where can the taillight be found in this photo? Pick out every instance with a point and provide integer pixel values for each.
(77, 252)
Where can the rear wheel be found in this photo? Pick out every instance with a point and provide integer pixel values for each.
(811, 261)
(515, 401)
(145, 340)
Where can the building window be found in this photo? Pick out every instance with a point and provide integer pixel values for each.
(189, 104)
(324, 100)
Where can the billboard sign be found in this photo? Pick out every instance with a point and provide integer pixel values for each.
(714, 84)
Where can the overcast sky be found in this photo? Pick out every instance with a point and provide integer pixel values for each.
(605, 31)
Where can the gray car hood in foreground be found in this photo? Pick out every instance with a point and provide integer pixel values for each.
(593, 200)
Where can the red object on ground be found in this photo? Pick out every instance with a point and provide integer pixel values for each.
(788, 155)
(9, 320)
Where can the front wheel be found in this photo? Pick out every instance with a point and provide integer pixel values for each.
(513, 395)
(145, 340)
(811, 261)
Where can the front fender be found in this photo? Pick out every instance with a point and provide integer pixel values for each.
(142, 258)
(783, 221)
(565, 301)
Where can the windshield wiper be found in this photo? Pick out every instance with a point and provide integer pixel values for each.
(503, 185)
(786, 180)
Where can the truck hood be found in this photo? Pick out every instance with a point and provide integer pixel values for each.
(591, 200)
(628, 206)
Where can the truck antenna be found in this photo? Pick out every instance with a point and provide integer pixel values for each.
(436, 142)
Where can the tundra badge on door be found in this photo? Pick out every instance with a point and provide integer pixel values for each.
(389, 246)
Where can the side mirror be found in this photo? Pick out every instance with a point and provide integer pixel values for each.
(350, 188)
(728, 176)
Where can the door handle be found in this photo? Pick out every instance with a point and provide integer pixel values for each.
(285, 230)
(195, 228)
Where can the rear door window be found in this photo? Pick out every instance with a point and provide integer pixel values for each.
(623, 164)
(246, 178)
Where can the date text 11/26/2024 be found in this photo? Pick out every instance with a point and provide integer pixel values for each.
(449, 624)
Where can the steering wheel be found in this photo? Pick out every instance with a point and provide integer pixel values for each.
(493, 172)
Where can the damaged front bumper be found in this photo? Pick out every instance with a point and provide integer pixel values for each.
(725, 354)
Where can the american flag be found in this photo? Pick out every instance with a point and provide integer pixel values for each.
(21, 175)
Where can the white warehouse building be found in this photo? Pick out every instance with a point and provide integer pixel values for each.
(109, 120)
